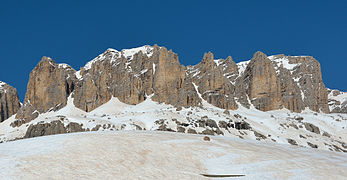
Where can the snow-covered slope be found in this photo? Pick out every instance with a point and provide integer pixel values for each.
(162, 155)
(308, 129)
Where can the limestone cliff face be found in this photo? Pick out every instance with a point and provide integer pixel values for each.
(301, 83)
(290, 91)
(223, 83)
(9, 101)
(261, 83)
(48, 88)
(170, 83)
(132, 75)
(310, 81)
(267, 83)
(213, 84)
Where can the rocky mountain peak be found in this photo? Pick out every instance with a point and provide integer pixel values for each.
(207, 63)
(207, 58)
(48, 88)
(131, 77)
(262, 84)
(230, 60)
(9, 101)
(259, 56)
(45, 60)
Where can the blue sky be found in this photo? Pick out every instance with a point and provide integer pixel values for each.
(75, 32)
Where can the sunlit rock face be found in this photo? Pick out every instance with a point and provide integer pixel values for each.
(261, 83)
(48, 88)
(132, 75)
(9, 101)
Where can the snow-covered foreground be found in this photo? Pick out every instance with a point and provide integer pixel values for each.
(162, 155)
(281, 126)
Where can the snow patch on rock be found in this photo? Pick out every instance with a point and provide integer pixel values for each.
(64, 65)
(218, 61)
(337, 99)
(242, 66)
(2, 84)
(113, 55)
(282, 61)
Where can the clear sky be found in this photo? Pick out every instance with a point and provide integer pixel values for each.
(74, 32)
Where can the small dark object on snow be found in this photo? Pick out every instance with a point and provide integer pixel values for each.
(242, 125)
(292, 142)
(312, 145)
(206, 138)
(222, 175)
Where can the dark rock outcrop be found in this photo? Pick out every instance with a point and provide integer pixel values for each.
(312, 145)
(242, 125)
(51, 128)
(312, 128)
(207, 132)
(191, 131)
(292, 142)
(259, 135)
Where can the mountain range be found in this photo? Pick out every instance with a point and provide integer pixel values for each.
(274, 98)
